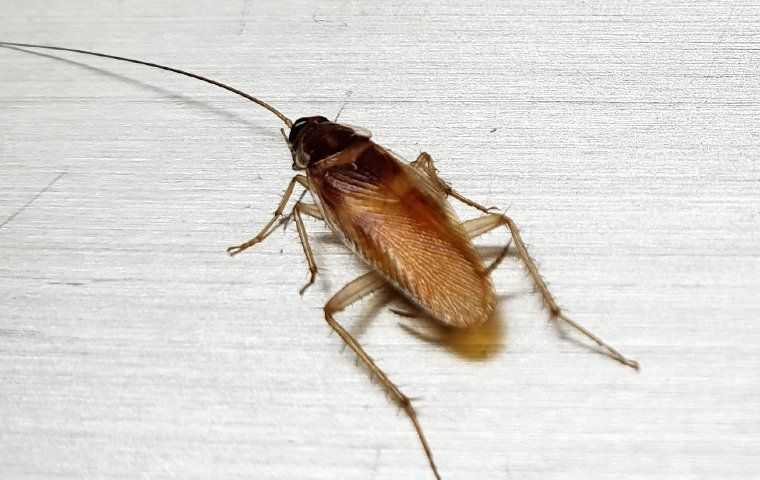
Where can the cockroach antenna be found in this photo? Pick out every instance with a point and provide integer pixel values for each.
(234, 90)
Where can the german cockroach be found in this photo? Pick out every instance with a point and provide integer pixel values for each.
(396, 218)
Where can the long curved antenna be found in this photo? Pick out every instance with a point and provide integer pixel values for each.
(255, 100)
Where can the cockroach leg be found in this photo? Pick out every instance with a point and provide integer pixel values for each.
(277, 218)
(311, 210)
(425, 163)
(297, 210)
(347, 295)
(481, 225)
(469, 202)
(497, 261)
(419, 334)
(476, 227)
(289, 216)
(404, 313)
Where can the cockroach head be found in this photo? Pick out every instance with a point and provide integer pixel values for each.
(295, 139)
(300, 125)
(313, 139)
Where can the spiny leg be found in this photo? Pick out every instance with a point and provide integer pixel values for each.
(349, 294)
(425, 163)
(470, 228)
(481, 225)
(486, 223)
(313, 211)
(277, 218)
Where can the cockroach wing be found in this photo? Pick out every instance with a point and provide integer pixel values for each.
(396, 220)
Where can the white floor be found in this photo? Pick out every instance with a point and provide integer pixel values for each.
(622, 136)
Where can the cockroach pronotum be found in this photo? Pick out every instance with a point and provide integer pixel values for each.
(394, 216)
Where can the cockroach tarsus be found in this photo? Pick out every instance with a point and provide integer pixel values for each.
(395, 216)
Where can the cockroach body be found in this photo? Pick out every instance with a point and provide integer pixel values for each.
(392, 216)
(395, 216)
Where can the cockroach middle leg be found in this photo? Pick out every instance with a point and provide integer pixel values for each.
(425, 163)
(486, 223)
(276, 220)
(347, 295)
(313, 211)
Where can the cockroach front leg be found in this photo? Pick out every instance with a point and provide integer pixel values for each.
(486, 223)
(425, 163)
(276, 220)
(349, 294)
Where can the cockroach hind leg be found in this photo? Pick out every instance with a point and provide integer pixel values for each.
(424, 162)
(497, 261)
(350, 293)
(420, 334)
(404, 313)
(472, 203)
(486, 223)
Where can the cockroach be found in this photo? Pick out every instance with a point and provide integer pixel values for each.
(395, 217)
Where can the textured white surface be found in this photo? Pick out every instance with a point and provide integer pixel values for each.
(623, 137)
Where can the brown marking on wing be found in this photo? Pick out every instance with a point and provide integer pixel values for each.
(401, 225)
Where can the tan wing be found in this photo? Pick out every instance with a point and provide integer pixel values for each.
(393, 217)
